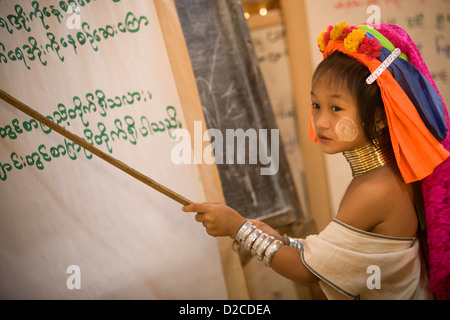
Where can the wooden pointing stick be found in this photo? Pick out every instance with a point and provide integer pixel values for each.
(82, 143)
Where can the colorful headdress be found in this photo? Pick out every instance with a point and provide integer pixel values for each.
(417, 120)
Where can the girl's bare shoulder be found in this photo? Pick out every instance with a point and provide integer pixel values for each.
(378, 202)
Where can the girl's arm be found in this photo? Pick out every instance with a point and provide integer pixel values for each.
(221, 221)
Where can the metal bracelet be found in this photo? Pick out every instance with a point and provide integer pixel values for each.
(251, 239)
(271, 251)
(295, 243)
(242, 229)
(263, 246)
(258, 241)
(299, 244)
(246, 233)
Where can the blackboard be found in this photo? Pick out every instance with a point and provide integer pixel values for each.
(234, 96)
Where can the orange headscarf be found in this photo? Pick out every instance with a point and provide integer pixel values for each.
(417, 151)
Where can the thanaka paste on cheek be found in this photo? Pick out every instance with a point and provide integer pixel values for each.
(346, 130)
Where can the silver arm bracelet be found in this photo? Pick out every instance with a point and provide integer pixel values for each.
(246, 233)
(258, 242)
(295, 243)
(242, 234)
(263, 246)
(251, 239)
(271, 251)
(239, 233)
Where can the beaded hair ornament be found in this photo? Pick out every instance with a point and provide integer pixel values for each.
(417, 120)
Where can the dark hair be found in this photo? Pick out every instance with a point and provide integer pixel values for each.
(346, 71)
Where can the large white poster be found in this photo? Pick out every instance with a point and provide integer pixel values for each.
(71, 225)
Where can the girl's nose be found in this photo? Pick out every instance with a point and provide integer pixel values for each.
(320, 120)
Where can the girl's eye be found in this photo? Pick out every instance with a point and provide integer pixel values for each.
(335, 108)
(315, 106)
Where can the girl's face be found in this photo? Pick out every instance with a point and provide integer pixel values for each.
(336, 119)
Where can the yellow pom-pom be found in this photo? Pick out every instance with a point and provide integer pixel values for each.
(336, 33)
(321, 42)
(354, 39)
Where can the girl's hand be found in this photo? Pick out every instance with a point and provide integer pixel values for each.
(218, 219)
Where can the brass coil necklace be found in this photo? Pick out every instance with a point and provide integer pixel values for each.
(372, 156)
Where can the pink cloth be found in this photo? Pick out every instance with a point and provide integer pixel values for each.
(435, 187)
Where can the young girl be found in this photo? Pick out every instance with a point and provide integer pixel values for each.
(389, 131)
